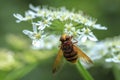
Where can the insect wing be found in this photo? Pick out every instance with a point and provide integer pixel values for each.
(82, 55)
(58, 61)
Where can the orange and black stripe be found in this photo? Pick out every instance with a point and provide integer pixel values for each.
(71, 56)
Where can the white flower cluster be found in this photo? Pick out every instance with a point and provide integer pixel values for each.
(113, 49)
(74, 23)
(40, 40)
(107, 50)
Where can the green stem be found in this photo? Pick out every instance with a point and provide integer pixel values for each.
(116, 71)
(86, 75)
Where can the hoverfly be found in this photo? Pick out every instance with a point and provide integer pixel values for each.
(70, 51)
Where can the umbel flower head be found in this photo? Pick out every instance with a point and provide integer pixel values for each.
(50, 21)
(113, 49)
(107, 50)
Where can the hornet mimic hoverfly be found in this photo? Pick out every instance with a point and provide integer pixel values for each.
(70, 51)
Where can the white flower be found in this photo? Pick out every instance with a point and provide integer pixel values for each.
(68, 25)
(33, 35)
(113, 49)
(29, 15)
(68, 28)
(98, 26)
(34, 8)
(38, 44)
(51, 41)
(77, 18)
(71, 16)
(87, 34)
(63, 16)
(113, 52)
(46, 43)
(19, 17)
(90, 23)
(114, 59)
(75, 32)
(97, 50)
(36, 36)
(41, 12)
(43, 24)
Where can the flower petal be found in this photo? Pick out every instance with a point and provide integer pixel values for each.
(34, 28)
(33, 7)
(83, 38)
(38, 44)
(92, 37)
(98, 26)
(29, 34)
(19, 17)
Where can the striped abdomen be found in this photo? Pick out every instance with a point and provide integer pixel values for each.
(70, 54)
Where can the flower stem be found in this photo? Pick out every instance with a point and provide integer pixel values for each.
(86, 75)
(116, 71)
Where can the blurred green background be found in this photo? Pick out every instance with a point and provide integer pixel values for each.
(37, 65)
